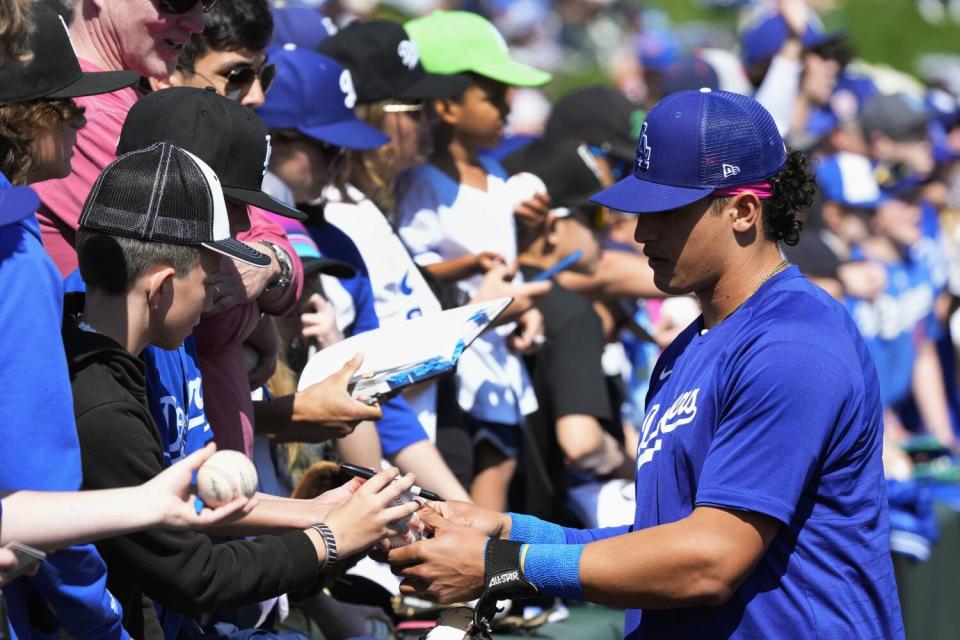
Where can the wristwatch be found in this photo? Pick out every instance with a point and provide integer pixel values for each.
(286, 266)
(329, 542)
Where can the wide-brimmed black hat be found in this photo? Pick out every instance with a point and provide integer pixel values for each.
(385, 64)
(52, 70)
(224, 134)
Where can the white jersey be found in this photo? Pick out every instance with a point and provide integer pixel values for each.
(438, 220)
(399, 290)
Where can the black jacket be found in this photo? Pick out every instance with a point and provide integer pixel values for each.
(120, 446)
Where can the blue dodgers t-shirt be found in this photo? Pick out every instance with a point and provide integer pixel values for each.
(895, 322)
(776, 410)
(175, 395)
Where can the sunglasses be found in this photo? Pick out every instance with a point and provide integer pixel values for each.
(241, 78)
(182, 6)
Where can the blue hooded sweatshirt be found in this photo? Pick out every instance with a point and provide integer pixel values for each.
(40, 449)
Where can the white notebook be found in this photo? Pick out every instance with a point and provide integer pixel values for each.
(405, 353)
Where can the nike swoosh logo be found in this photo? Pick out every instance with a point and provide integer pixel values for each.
(665, 374)
(404, 287)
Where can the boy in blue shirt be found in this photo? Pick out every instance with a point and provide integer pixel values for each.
(761, 505)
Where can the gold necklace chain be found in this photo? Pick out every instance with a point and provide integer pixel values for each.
(780, 268)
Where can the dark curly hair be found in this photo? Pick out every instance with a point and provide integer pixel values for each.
(22, 123)
(793, 191)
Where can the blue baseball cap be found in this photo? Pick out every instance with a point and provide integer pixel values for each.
(847, 178)
(764, 38)
(299, 27)
(657, 49)
(315, 96)
(16, 203)
(693, 143)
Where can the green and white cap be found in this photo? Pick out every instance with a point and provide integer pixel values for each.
(460, 42)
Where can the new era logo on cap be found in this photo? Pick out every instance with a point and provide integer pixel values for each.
(730, 170)
(705, 140)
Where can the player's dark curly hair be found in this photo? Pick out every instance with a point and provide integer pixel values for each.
(793, 191)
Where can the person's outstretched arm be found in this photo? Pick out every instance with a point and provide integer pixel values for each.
(52, 520)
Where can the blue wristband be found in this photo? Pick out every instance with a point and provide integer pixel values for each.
(554, 569)
(529, 529)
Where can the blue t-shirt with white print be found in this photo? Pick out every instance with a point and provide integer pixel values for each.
(175, 395)
(895, 322)
(776, 411)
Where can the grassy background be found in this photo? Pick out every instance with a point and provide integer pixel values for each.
(883, 31)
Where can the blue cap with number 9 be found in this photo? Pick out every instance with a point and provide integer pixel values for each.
(694, 143)
(314, 95)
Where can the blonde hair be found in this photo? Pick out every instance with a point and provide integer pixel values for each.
(362, 166)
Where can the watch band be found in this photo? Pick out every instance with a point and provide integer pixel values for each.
(286, 266)
(329, 542)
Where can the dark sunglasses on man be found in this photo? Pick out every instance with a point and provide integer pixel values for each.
(240, 78)
(182, 6)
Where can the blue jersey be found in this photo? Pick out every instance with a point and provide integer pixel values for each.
(894, 323)
(175, 396)
(776, 411)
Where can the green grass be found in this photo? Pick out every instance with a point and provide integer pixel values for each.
(882, 31)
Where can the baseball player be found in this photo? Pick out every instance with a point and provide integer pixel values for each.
(761, 508)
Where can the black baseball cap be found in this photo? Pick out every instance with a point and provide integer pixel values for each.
(385, 64)
(53, 70)
(600, 116)
(566, 167)
(225, 135)
(164, 194)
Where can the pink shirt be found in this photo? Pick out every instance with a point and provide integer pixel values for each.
(62, 200)
(226, 392)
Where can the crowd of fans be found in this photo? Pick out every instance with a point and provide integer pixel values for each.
(224, 188)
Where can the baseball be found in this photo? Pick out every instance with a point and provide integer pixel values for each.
(227, 475)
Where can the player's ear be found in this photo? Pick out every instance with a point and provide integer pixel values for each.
(744, 211)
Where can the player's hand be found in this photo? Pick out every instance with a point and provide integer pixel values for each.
(329, 407)
(368, 514)
(172, 497)
(319, 320)
(487, 260)
(447, 567)
(529, 334)
(533, 211)
(492, 524)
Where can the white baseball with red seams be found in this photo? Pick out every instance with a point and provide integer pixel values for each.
(226, 476)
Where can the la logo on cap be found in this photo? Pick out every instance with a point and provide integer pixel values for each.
(643, 149)
(408, 53)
